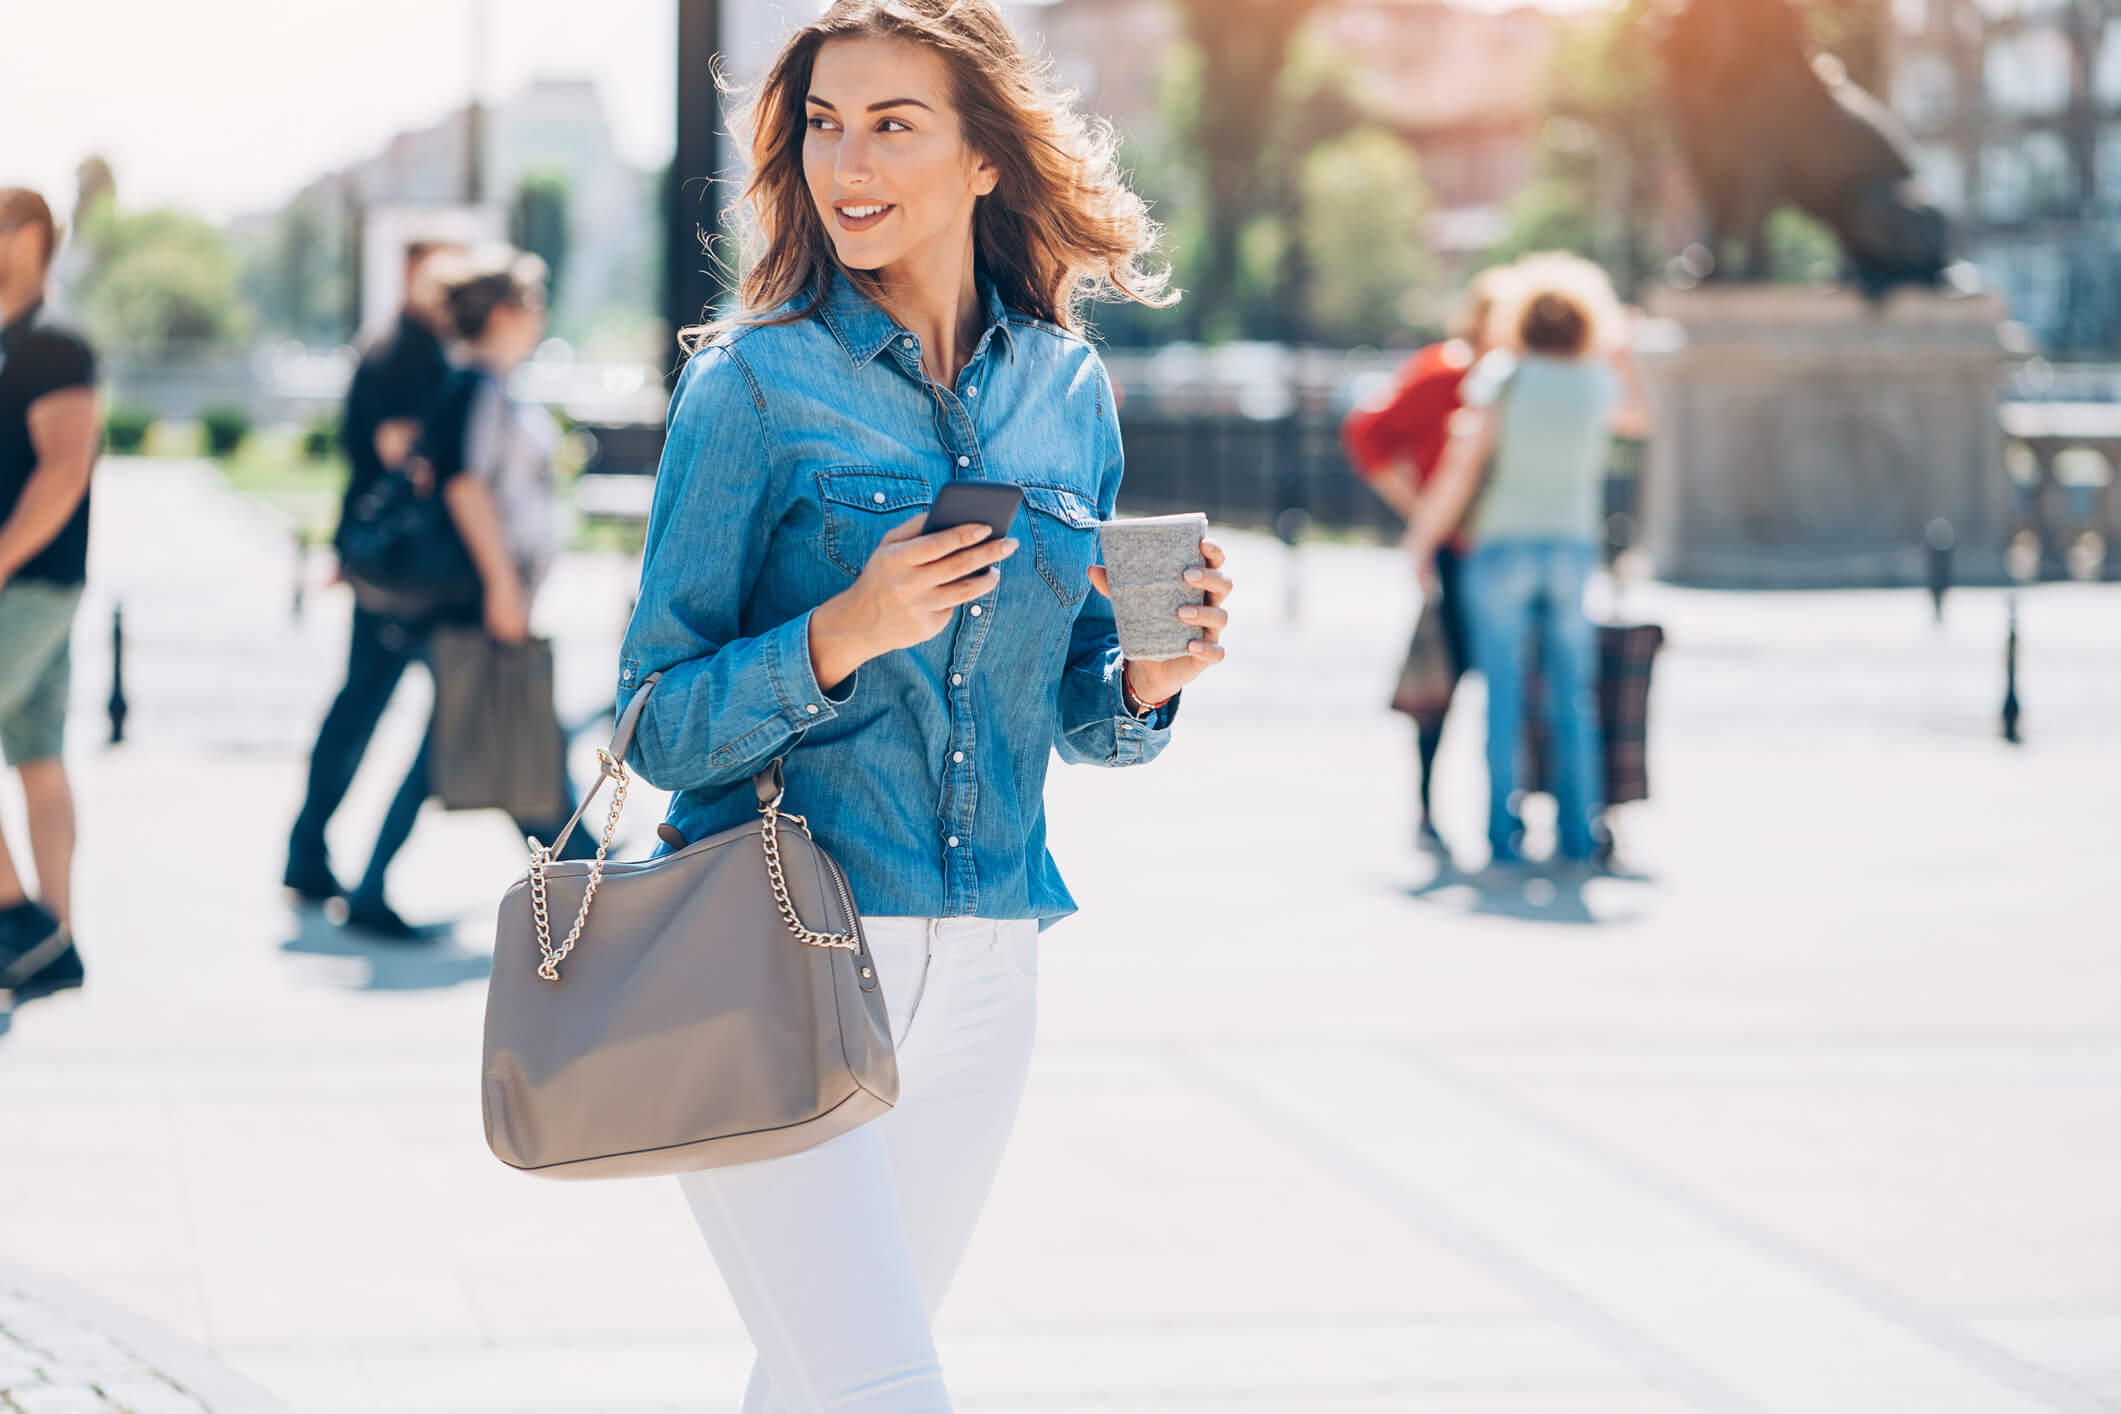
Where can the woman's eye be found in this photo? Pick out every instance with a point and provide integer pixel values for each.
(819, 125)
(893, 125)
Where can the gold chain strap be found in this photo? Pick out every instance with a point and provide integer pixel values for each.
(771, 833)
(540, 856)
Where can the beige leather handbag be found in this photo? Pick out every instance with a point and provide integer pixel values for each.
(689, 1018)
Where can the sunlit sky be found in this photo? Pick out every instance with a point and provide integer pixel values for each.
(225, 106)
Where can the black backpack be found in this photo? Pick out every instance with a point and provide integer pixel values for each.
(399, 548)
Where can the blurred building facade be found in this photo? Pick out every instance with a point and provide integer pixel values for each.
(2015, 106)
(552, 136)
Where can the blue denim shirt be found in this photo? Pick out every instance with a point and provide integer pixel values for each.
(792, 449)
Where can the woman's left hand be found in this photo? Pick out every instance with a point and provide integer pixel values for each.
(1160, 681)
(1421, 554)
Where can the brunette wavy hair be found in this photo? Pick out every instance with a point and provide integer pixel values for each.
(1060, 228)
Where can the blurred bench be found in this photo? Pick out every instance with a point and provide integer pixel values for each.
(617, 483)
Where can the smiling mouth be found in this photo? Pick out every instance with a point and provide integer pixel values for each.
(862, 216)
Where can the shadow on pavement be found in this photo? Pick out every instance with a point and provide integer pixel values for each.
(391, 967)
(1530, 893)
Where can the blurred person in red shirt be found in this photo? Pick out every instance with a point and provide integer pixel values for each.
(1396, 446)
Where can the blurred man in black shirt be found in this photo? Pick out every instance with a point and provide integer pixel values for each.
(50, 431)
(391, 390)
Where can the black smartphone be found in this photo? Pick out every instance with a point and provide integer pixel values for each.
(988, 503)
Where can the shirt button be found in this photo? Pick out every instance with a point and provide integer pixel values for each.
(811, 708)
(973, 391)
(964, 461)
(953, 841)
(957, 679)
(957, 756)
(906, 342)
(878, 498)
(975, 611)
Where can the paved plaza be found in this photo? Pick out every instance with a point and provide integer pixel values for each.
(1814, 1109)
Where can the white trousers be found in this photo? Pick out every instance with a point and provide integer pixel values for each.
(838, 1257)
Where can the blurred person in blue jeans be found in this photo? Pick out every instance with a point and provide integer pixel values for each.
(1397, 448)
(1532, 444)
(394, 385)
(50, 432)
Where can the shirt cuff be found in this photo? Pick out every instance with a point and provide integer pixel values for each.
(804, 703)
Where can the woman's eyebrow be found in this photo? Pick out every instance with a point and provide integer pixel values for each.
(876, 107)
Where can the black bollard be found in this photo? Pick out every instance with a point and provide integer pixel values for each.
(1292, 525)
(1941, 539)
(301, 564)
(117, 674)
(2010, 676)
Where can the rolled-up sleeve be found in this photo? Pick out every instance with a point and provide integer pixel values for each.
(726, 703)
(1094, 727)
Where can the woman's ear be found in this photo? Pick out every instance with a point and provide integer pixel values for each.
(986, 176)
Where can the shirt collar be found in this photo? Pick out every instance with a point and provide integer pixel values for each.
(865, 330)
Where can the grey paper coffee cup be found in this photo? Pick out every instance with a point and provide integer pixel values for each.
(1146, 559)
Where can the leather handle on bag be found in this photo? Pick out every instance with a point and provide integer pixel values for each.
(769, 783)
(614, 758)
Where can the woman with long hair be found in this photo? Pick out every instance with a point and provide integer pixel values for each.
(1532, 443)
(929, 217)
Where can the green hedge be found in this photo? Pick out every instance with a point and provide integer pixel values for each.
(125, 427)
(320, 439)
(226, 427)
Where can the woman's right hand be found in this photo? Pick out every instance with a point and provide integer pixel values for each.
(904, 595)
(507, 610)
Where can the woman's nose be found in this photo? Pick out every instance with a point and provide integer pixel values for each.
(851, 165)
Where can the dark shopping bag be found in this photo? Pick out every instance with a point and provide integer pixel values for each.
(1626, 653)
(496, 742)
(1430, 674)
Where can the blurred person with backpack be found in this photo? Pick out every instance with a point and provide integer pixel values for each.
(489, 460)
(395, 383)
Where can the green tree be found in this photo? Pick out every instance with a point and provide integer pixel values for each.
(1362, 206)
(159, 278)
(537, 222)
(1554, 213)
(1240, 48)
(298, 273)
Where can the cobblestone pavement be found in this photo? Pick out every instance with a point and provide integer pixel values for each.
(1816, 1109)
(63, 1351)
(53, 1363)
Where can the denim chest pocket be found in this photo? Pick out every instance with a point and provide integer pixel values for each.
(861, 505)
(1064, 534)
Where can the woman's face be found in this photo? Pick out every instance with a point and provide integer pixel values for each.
(885, 155)
(513, 332)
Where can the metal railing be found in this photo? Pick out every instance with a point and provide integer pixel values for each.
(2061, 459)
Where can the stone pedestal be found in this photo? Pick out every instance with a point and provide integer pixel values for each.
(1807, 438)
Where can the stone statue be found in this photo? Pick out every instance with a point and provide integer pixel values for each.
(1764, 123)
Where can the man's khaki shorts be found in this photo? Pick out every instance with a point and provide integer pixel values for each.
(36, 628)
